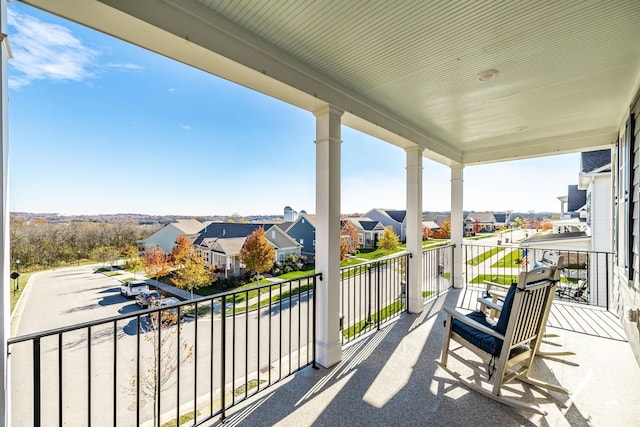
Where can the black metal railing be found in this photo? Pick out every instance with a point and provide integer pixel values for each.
(372, 293)
(437, 271)
(586, 276)
(183, 364)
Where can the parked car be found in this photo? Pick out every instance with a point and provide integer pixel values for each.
(146, 298)
(169, 315)
(133, 288)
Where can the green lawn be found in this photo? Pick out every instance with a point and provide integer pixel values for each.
(484, 256)
(505, 279)
(372, 254)
(510, 260)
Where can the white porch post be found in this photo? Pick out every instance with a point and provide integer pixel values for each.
(457, 227)
(328, 140)
(5, 399)
(414, 228)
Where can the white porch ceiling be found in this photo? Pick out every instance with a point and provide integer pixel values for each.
(405, 71)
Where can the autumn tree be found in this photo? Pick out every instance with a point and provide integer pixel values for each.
(476, 226)
(389, 241)
(426, 233)
(350, 235)
(445, 230)
(257, 253)
(190, 271)
(156, 263)
(344, 248)
(518, 222)
(181, 250)
(546, 224)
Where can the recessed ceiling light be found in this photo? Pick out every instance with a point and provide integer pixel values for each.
(486, 75)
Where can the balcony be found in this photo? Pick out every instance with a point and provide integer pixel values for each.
(247, 357)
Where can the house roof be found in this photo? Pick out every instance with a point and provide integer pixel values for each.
(500, 217)
(396, 215)
(486, 217)
(284, 225)
(592, 161)
(228, 230)
(576, 198)
(438, 218)
(188, 226)
(430, 225)
(550, 237)
(230, 246)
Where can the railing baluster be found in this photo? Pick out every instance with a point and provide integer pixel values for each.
(60, 405)
(89, 376)
(37, 396)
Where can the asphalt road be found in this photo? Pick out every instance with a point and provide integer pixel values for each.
(257, 341)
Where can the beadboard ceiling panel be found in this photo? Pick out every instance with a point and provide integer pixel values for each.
(406, 71)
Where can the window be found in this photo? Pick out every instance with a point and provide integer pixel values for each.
(302, 241)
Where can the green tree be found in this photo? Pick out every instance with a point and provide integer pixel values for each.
(134, 262)
(257, 253)
(389, 241)
(518, 222)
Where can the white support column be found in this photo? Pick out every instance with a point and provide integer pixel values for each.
(414, 228)
(328, 140)
(457, 226)
(5, 369)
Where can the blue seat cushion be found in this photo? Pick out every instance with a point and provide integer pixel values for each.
(486, 342)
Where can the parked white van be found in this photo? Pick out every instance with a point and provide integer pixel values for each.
(133, 288)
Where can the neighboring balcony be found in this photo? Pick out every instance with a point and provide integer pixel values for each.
(247, 357)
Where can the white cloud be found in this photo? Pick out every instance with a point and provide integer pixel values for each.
(126, 67)
(186, 127)
(46, 51)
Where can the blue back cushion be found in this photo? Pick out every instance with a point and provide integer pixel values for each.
(503, 320)
(486, 342)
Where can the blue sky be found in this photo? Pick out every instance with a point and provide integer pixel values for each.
(98, 126)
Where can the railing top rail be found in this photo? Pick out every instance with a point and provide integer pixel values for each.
(123, 317)
(448, 245)
(518, 246)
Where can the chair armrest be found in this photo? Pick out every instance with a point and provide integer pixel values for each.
(488, 302)
(464, 319)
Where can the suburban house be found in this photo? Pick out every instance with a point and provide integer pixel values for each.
(592, 230)
(220, 243)
(369, 231)
(484, 221)
(303, 231)
(165, 238)
(395, 218)
(437, 218)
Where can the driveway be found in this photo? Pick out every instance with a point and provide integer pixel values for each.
(68, 296)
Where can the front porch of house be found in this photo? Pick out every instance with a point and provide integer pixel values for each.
(391, 378)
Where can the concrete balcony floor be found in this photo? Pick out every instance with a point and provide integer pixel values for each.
(390, 378)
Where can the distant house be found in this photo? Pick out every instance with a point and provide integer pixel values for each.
(220, 244)
(486, 222)
(431, 225)
(303, 231)
(437, 218)
(165, 238)
(395, 218)
(369, 231)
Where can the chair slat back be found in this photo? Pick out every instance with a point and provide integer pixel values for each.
(530, 306)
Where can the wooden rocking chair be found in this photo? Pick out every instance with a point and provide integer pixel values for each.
(493, 298)
(506, 348)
